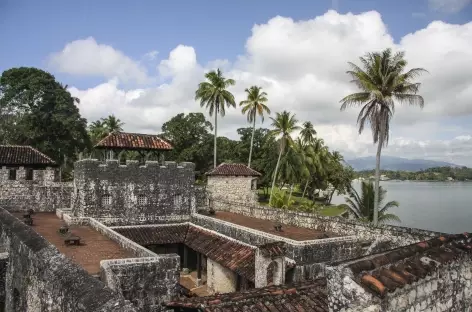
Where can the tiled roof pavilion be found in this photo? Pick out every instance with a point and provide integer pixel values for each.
(226, 169)
(133, 141)
(22, 155)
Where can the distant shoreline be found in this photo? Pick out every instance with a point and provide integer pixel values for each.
(394, 180)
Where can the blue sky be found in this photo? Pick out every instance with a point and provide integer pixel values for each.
(216, 29)
(99, 49)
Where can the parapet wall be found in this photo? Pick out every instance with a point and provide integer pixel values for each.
(39, 278)
(133, 193)
(392, 236)
(147, 282)
(42, 192)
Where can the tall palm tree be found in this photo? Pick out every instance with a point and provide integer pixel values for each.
(213, 95)
(284, 123)
(362, 206)
(308, 133)
(111, 123)
(253, 105)
(382, 81)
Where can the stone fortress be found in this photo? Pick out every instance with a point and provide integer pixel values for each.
(145, 238)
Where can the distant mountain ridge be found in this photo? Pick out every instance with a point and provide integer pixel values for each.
(396, 163)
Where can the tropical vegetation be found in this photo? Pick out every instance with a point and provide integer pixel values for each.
(431, 174)
(382, 81)
(362, 205)
(213, 94)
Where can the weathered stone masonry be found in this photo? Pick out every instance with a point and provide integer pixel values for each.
(42, 192)
(39, 278)
(130, 194)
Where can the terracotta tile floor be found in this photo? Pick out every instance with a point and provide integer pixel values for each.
(93, 245)
(292, 232)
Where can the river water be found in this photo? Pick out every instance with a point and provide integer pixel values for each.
(438, 206)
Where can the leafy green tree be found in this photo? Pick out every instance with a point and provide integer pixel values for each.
(213, 94)
(284, 125)
(112, 124)
(382, 81)
(37, 110)
(308, 133)
(362, 206)
(97, 131)
(254, 105)
(191, 138)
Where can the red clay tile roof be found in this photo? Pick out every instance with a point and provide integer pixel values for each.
(308, 296)
(274, 249)
(396, 268)
(150, 235)
(17, 155)
(233, 170)
(235, 256)
(133, 141)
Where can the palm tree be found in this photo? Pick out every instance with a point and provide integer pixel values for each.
(112, 124)
(253, 105)
(213, 95)
(97, 131)
(382, 81)
(363, 206)
(308, 133)
(284, 123)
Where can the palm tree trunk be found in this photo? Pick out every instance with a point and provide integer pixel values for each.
(275, 173)
(252, 141)
(377, 182)
(291, 190)
(214, 145)
(306, 185)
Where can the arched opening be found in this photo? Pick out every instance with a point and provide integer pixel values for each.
(272, 273)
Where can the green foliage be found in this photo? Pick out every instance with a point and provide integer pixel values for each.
(37, 110)
(431, 174)
(382, 80)
(362, 206)
(213, 95)
(99, 129)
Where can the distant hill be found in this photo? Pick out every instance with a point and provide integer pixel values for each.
(396, 163)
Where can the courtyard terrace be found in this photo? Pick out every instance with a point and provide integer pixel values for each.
(288, 231)
(93, 247)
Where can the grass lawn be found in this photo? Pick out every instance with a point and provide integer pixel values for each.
(332, 211)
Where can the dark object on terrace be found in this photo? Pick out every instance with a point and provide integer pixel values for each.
(306, 296)
(405, 265)
(28, 221)
(225, 169)
(72, 240)
(27, 215)
(31, 211)
(133, 141)
(63, 229)
(26, 156)
(278, 227)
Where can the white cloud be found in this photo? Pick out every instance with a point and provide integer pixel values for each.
(301, 65)
(151, 55)
(449, 6)
(87, 57)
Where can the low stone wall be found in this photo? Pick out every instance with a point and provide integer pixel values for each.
(145, 221)
(448, 288)
(146, 282)
(125, 243)
(22, 195)
(396, 235)
(40, 278)
(303, 252)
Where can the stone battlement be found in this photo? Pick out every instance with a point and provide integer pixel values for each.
(131, 164)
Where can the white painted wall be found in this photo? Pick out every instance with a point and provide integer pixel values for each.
(220, 279)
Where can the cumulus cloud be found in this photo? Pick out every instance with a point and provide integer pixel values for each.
(449, 6)
(302, 65)
(87, 57)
